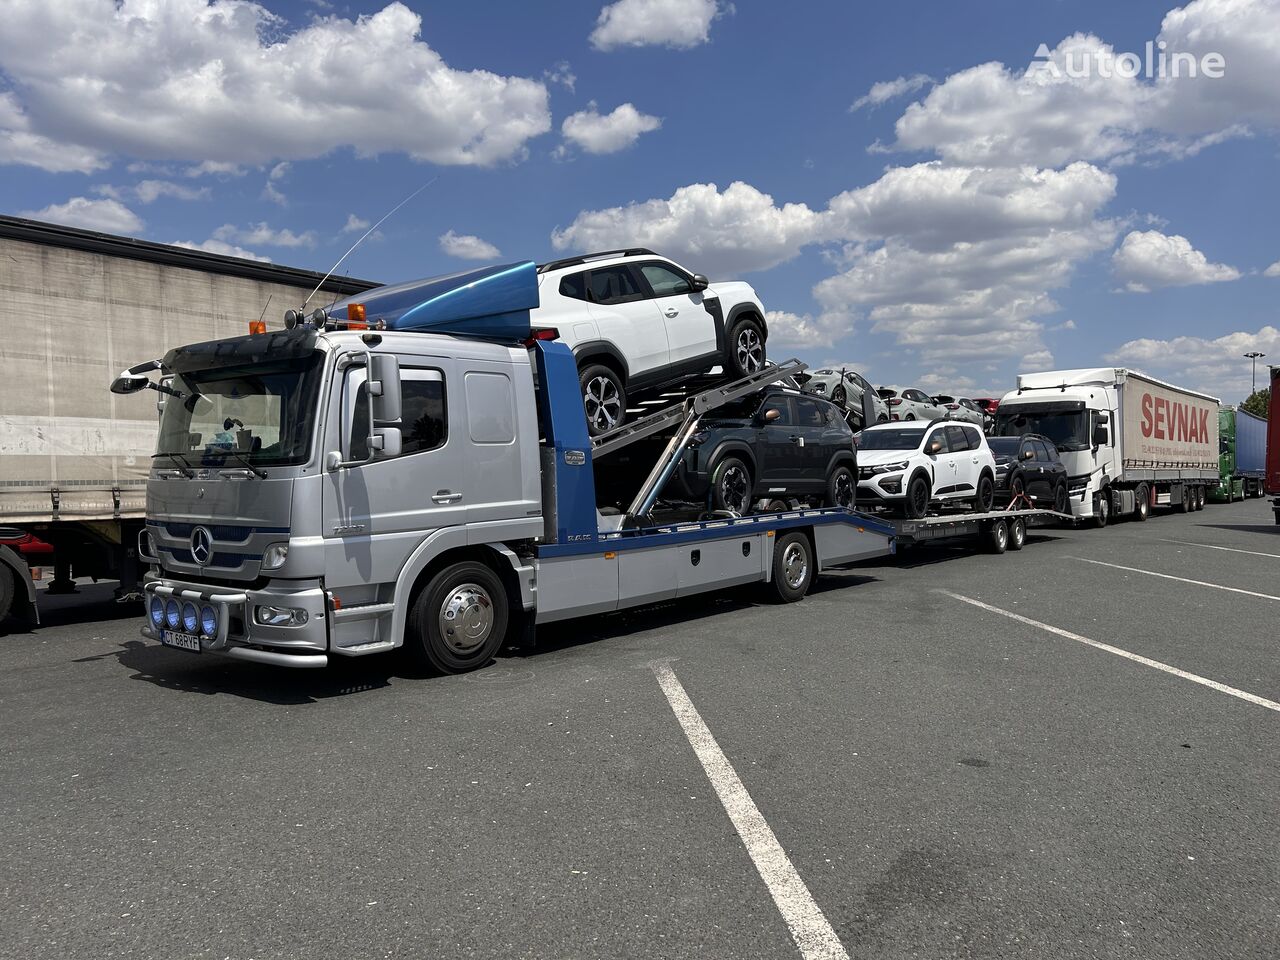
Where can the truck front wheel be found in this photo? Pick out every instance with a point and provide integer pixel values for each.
(459, 621)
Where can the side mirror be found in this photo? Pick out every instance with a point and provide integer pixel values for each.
(935, 447)
(772, 414)
(385, 442)
(1099, 434)
(128, 383)
(700, 282)
(384, 388)
(1028, 454)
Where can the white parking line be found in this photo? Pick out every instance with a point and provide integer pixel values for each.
(1210, 546)
(809, 928)
(1136, 658)
(1167, 576)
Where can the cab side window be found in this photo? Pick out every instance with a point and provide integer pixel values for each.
(423, 416)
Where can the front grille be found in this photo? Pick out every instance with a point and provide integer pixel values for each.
(228, 561)
(227, 532)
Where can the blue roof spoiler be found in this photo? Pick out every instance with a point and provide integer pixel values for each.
(488, 302)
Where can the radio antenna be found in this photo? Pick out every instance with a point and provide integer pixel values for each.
(363, 237)
(264, 307)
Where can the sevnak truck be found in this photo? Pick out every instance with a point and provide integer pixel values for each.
(1129, 442)
(412, 467)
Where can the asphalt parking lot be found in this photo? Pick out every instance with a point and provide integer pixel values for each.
(942, 779)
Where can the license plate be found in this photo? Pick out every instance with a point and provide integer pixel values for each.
(183, 641)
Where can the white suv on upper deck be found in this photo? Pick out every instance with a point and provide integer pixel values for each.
(637, 321)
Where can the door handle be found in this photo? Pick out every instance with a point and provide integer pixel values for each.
(444, 496)
(798, 440)
(672, 314)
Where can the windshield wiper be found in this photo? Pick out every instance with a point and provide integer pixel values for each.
(248, 464)
(183, 466)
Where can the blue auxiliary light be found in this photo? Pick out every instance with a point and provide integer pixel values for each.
(208, 621)
(173, 614)
(157, 611)
(190, 619)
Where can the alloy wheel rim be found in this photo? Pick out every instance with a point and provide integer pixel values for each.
(602, 403)
(843, 490)
(749, 350)
(466, 618)
(733, 488)
(795, 565)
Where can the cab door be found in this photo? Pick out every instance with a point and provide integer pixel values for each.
(691, 331)
(375, 514)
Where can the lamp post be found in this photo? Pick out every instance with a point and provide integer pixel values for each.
(1254, 355)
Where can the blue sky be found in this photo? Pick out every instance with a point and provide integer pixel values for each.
(967, 224)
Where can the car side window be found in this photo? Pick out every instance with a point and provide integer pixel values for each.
(939, 435)
(810, 414)
(614, 285)
(665, 281)
(574, 286)
(974, 436)
(957, 439)
(423, 418)
(785, 417)
(1047, 453)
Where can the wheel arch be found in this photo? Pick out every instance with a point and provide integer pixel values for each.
(747, 311)
(739, 448)
(602, 352)
(442, 549)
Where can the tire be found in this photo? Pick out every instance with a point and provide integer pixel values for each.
(1142, 503)
(8, 589)
(731, 485)
(1102, 509)
(746, 349)
(916, 503)
(909, 416)
(459, 621)
(793, 566)
(838, 397)
(1184, 506)
(1200, 497)
(842, 488)
(882, 419)
(604, 399)
(983, 502)
(1061, 498)
(998, 537)
(1017, 533)
(1017, 490)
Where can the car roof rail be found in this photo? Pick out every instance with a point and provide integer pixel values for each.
(589, 257)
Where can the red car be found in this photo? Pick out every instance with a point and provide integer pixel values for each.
(988, 404)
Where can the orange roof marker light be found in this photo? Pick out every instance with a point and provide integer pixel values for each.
(257, 326)
(355, 317)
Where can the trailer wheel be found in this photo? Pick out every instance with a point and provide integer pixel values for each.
(1184, 505)
(1199, 492)
(792, 566)
(1017, 533)
(7, 587)
(1141, 503)
(998, 537)
(459, 621)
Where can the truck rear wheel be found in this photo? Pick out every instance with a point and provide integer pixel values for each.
(1102, 509)
(793, 566)
(459, 621)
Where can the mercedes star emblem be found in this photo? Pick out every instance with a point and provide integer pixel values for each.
(201, 545)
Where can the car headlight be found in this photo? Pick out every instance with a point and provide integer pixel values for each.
(208, 621)
(173, 614)
(274, 556)
(190, 617)
(889, 467)
(157, 611)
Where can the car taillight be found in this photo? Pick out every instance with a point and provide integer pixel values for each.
(894, 401)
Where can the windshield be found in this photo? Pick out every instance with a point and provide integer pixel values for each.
(890, 439)
(1067, 427)
(257, 412)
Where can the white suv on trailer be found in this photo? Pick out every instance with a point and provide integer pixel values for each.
(910, 465)
(637, 321)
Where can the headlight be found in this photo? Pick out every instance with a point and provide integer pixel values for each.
(157, 611)
(208, 621)
(190, 618)
(173, 614)
(889, 467)
(279, 616)
(274, 556)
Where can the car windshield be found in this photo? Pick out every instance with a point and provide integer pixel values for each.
(1004, 446)
(890, 439)
(259, 412)
(1066, 424)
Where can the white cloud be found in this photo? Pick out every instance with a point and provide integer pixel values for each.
(1062, 107)
(1217, 366)
(1273, 270)
(788, 329)
(467, 247)
(355, 224)
(1148, 260)
(263, 234)
(640, 23)
(223, 83)
(562, 75)
(105, 216)
(709, 231)
(148, 191)
(607, 133)
(207, 168)
(887, 90)
(222, 248)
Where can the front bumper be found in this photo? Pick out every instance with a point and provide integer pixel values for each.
(238, 636)
(881, 487)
